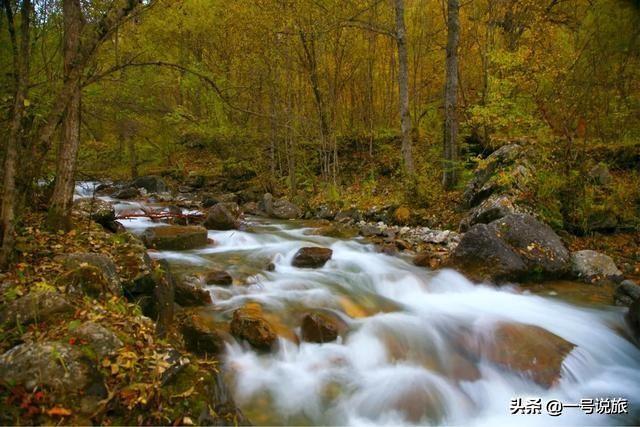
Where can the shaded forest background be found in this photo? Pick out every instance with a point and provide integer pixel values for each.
(302, 97)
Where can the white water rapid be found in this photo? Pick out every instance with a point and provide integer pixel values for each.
(398, 362)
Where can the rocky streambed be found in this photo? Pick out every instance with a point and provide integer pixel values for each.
(349, 321)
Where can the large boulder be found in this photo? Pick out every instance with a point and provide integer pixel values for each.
(223, 216)
(151, 183)
(515, 247)
(190, 292)
(594, 267)
(98, 210)
(318, 328)
(528, 350)
(101, 340)
(494, 207)
(249, 325)
(175, 237)
(126, 193)
(89, 273)
(486, 182)
(36, 307)
(201, 338)
(626, 293)
(279, 208)
(154, 292)
(59, 366)
(311, 257)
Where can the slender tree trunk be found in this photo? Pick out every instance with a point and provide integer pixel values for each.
(133, 157)
(403, 88)
(308, 45)
(59, 216)
(21, 68)
(450, 173)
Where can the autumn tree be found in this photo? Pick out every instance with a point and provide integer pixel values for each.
(450, 149)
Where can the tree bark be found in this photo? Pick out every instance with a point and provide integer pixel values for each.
(450, 173)
(311, 62)
(21, 67)
(403, 88)
(59, 215)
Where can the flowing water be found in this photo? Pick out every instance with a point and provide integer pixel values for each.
(397, 361)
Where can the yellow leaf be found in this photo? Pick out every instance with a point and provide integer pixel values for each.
(186, 393)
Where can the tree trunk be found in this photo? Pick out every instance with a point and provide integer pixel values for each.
(309, 47)
(21, 67)
(133, 157)
(450, 173)
(403, 88)
(59, 216)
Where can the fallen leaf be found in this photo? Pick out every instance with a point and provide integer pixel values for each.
(58, 411)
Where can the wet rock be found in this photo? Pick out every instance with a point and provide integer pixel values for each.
(311, 257)
(151, 183)
(318, 328)
(387, 249)
(494, 207)
(594, 267)
(100, 339)
(36, 307)
(482, 253)
(189, 292)
(402, 245)
(528, 350)
(626, 293)
(633, 318)
(200, 338)
(127, 193)
(223, 216)
(370, 230)
(427, 259)
(402, 215)
(218, 277)
(59, 366)
(98, 210)
(175, 237)
(271, 267)
(516, 247)
(250, 326)
(336, 230)
(105, 189)
(251, 208)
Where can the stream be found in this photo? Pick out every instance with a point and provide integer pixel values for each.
(398, 363)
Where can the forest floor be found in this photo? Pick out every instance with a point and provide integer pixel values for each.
(144, 380)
